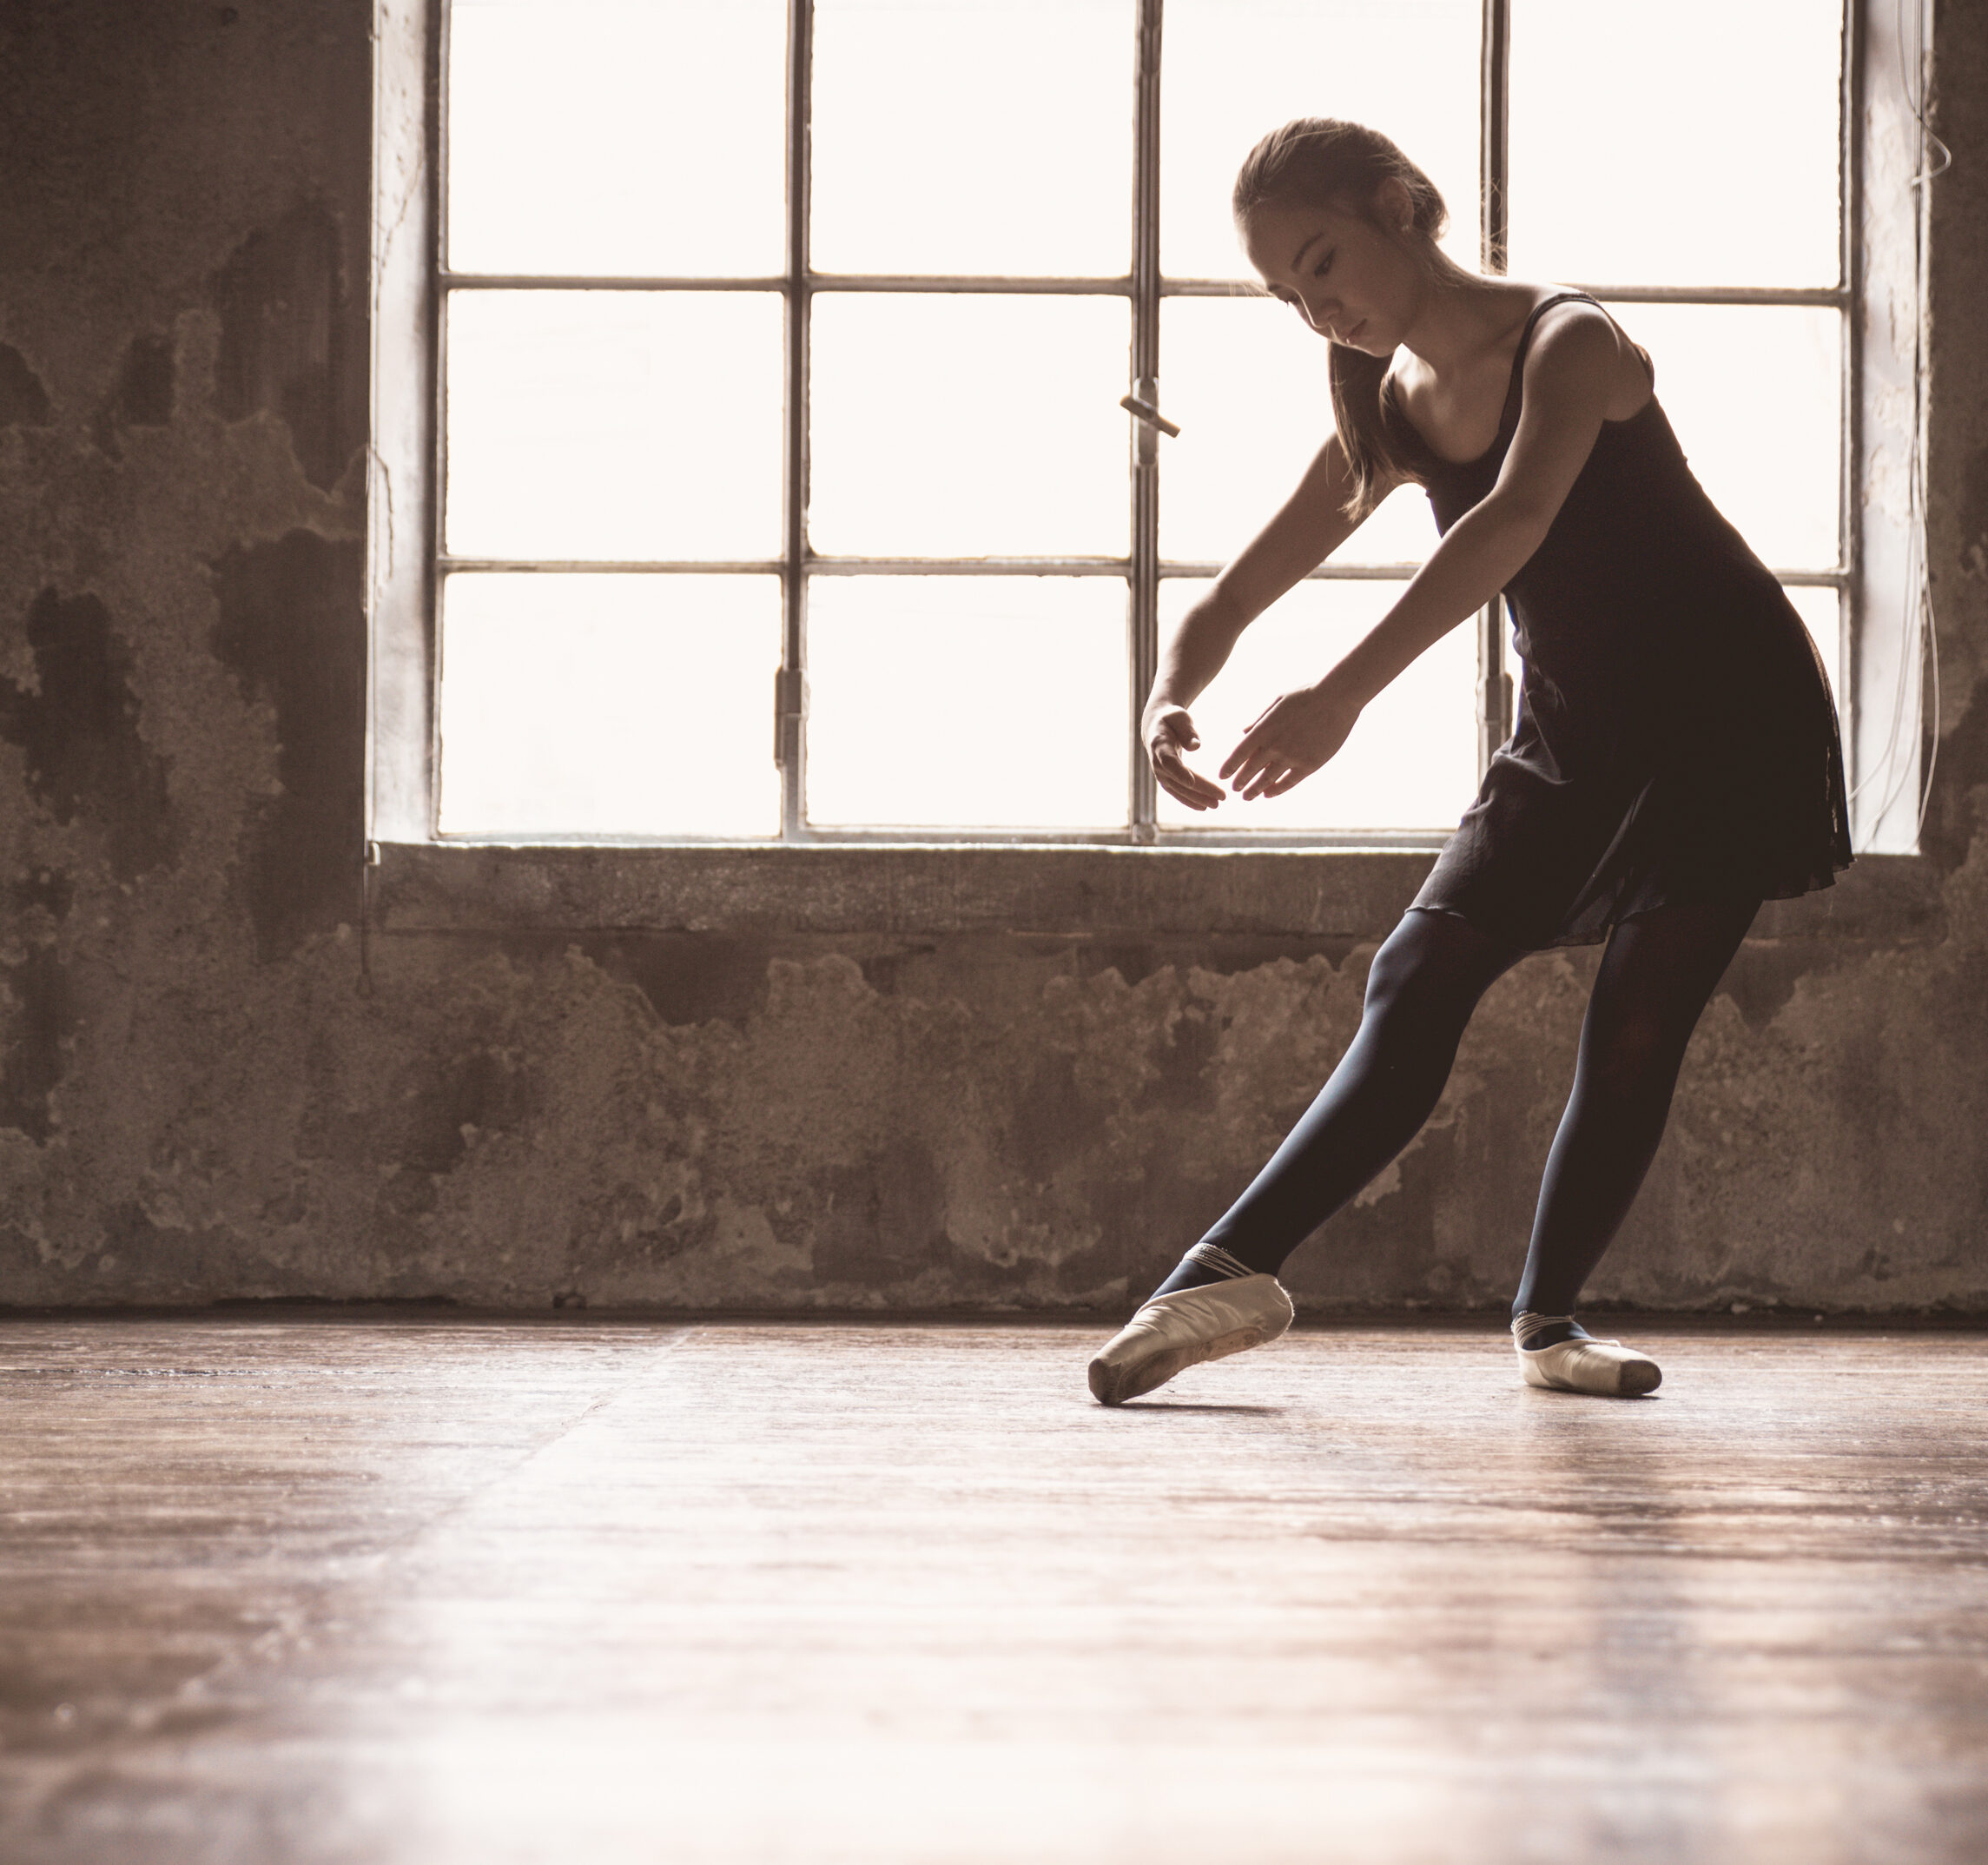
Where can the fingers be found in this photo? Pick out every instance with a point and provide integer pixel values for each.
(1182, 785)
(1257, 767)
(1253, 748)
(1265, 773)
(1251, 759)
(1164, 746)
(1247, 751)
(1269, 774)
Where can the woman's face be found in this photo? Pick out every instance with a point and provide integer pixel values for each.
(1349, 280)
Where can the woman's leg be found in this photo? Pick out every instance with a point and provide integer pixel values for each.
(1657, 975)
(1424, 982)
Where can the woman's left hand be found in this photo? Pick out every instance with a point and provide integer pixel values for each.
(1291, 738)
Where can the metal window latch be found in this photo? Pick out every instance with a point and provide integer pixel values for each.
(1146, 412)
(789, 705)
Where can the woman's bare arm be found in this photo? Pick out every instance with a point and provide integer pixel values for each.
(1306, 529)
(1570, 375)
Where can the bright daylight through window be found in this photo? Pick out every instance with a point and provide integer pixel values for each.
(793, 336)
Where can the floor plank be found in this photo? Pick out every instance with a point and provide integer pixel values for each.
(327, 1592)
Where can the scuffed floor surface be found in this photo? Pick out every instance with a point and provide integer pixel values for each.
(408, 1593)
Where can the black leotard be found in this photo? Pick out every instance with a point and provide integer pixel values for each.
(1676, 739)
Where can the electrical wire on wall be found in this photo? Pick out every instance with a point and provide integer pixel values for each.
(1920, 646)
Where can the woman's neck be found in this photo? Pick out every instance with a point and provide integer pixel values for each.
(1462, 316)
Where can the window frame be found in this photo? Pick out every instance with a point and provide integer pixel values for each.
(411, 282)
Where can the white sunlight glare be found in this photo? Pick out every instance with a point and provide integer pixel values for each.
(581, 137)
(1412, 762)
(995, 136)
(1690, 144)
(985, 702)
(973, 137)
(604, 705)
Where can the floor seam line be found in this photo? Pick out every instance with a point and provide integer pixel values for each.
(394, 1551)
(375, 1565)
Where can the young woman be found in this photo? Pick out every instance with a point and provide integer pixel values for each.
(1675, 760)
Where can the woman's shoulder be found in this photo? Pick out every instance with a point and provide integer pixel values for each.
(1552, 312)
(1567, 329)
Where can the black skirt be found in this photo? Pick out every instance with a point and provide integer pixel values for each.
(1676, 740)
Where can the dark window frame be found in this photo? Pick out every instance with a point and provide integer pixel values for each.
(1142, 569)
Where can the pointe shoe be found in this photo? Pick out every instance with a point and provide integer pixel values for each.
(1172, 1332)
(1605, 1368)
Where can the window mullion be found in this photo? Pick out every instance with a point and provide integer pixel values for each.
(1144, 600)
(1494, 684)
(438, 453)
(1494, 155)
(1850, 280)
(790, 686)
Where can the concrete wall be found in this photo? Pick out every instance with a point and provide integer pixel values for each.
(891, 1080)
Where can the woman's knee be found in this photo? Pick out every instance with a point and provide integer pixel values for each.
(1433, 961)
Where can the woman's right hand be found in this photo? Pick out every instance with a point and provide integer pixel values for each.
(1170, 735)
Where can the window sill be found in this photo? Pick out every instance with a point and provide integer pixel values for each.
(1081, 891)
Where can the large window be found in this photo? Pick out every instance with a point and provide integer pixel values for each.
(784, 487)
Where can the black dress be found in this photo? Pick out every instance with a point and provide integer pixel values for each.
(1675, 740)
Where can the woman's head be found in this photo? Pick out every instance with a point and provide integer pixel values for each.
(1324, 161)
(1343, 226)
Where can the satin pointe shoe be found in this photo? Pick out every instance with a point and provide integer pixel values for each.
(1172, 1332)
(1605, 1368)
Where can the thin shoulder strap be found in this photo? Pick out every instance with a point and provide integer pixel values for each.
(1525, 335)
(1401, 431)
(1538, 311)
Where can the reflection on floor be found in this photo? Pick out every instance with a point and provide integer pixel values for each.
(287, 1592)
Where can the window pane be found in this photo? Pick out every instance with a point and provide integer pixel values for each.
(1235, 69)
(1412, 762)
(581, 132)
(947, 425)
(1245, 380)
(603, 704)
(618, 425)
(1755, 393)
(988, 702)
(1821, 611)
(1690, 144)
(973, 137)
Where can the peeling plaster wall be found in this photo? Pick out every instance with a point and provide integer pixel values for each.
(203, 1096)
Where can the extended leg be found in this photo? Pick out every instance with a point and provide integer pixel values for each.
(1656, 977)
(1424, 984)
(1225, 1297)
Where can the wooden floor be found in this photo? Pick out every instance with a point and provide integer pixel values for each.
(461, 1594)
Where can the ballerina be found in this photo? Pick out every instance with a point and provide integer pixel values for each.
(1675, 759)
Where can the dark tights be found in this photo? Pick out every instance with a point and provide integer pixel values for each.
(1657, 975)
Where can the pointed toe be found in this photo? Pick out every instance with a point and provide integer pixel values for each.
(1172, 1332)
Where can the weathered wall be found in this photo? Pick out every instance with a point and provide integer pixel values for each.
(203, 1096)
